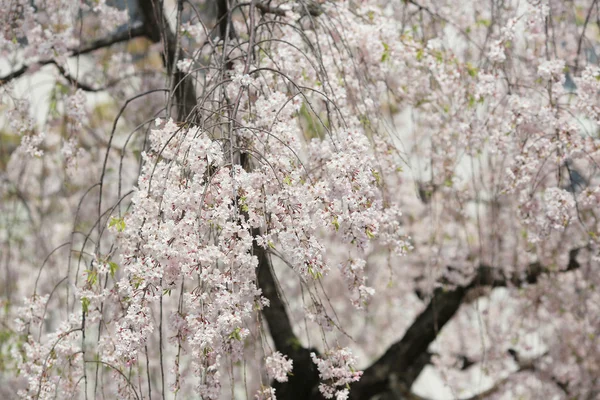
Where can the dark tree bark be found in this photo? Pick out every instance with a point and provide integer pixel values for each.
(305, 379)
(157, 29)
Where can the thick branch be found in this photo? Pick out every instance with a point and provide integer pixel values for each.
(305, 379)
(406, 357)
(275, 315)
(402, 354)
(76, 82)
(223, 18)
(98, 44)
(157, 29)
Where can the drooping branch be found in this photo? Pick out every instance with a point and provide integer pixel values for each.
(405, 359)
(303, 383)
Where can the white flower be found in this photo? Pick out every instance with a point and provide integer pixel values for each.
(559, 204)
(551, 70)
(496, 53)
(185, 65)
(243, 80)
(336, 369)
(278, 366)
(267, 393)
(30, 145)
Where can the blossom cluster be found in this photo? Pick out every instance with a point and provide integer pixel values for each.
(336, 371)
(278, 366)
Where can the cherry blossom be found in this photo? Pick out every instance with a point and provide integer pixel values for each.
(299, 198)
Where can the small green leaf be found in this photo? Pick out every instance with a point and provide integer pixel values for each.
(113, 268)
(386, 52)
(236, 334)
(419, 54)
(294, 343)
(471, 70)
(471, 101)
(118, 223)
(377, 177)
(85, 304)
(137, 282)
(484, 22)
(364, 120)
(315, 274)
(92, 276)
(335, 223)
